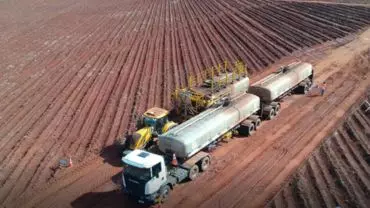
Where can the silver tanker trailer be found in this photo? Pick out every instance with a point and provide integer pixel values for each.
(149, 176)
(297, 76)
(195, 134)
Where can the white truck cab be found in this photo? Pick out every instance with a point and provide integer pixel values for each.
(144, 176)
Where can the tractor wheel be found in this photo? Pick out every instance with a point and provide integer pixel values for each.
(193, 172)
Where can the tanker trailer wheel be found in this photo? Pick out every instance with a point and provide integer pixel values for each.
(246, 128)
(193, 172)
(164, 192)
(271, 114)
(256, 121)
(306, 88)
(309, 83)
(303, 88)
(276, 107)
(251, 129)
(204, 164)
(268, 112)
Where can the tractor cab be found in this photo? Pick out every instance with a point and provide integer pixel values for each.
(152, 123)
(156, 118)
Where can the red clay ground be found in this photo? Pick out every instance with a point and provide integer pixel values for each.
(348, 2)
(74, 73)
(245, 171)
(337, 173)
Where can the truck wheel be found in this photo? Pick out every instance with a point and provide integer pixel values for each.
(309, 83)
(257, 123)
(251, 130)
(164, 192)
(205, 163)
(246, 128)
(277, 109)
(271, 114)
(193, 172)
(255, 120)
(306, 89)
(301, 88)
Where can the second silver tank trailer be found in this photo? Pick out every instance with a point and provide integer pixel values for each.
(297, 76)
(149, 176)
(197, 133)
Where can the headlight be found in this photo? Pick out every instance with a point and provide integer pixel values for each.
(123, 180)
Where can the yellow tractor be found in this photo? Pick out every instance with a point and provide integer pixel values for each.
(153, 123)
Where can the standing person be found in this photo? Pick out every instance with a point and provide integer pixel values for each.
(323, 88)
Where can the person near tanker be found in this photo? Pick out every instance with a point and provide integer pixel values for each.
(323, 88)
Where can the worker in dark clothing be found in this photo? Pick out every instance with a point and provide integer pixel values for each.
(323, 88)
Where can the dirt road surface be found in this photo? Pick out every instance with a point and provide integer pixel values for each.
(337, 173)
(246, 171)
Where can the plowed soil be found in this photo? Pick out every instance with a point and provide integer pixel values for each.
(75, 73)
(246, 171)
(348, 2)
(337, 173)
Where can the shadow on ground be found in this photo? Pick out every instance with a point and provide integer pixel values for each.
(111, 198)
(112, 154)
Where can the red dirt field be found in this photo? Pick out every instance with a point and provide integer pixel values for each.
(245, 171)
(74, 73)
(349, 2)
(337, 173)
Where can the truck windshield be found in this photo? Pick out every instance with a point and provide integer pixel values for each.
(138, 173)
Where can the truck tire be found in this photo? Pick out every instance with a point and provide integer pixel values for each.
(306, 88)
(193, 172)
(308, 82)
(164, 192)
(268, 112)
(246, 128)
(276, 107)
(204, 163)
(256, 121)
(269, 115)
(303, 87)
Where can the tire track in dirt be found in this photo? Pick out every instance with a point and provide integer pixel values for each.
(338, 168)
